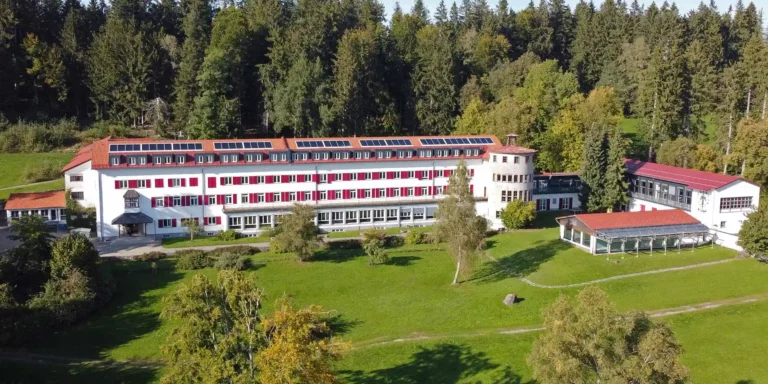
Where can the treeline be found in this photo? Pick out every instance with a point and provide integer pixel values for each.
(320, 68)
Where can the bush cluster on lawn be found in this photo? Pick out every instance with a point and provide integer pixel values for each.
(37, 137)
(228, 235)
(43, 171)
(231, 261)
(414, 237)
(46, 286)
(193, 259)
(393, 241)
(240, 250)
(150, 256)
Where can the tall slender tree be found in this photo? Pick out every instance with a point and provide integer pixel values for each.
(196, 25)
(435, 82)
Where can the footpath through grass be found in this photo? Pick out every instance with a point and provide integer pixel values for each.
(388, 231)
(12, 165)
(55, 185)
(184, 242)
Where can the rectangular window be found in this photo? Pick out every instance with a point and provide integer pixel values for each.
(260, 197)
(236, 222)
(337, 217)
(265, 220)
(211, 200)
(210, 220)
(378, 215)
(228, 199)
(307, 195)
(75, 178)
(177, 201)
(323, 218)
(365, 216)
(115, 161)
(292, 196)
(250, 222)
(730, 204)
(131, 203)
(122, 184)
(244, 198)
(193, 201)
(276, 197)
(337, 194)
(353, 194)
(351, 216)
(353, 176)
(227, 180)
(165, 223)
(159, 202)
(517, 160)
(392, 213)
(174, 183)
(503, 159)
(323, 177)
(367, 194)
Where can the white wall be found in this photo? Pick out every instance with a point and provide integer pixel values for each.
(89, 185)
(495, 188)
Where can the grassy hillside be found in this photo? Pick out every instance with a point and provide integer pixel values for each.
(12, 165)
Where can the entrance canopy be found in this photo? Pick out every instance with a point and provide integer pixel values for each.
(132, 218)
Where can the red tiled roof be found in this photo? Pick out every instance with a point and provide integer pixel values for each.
(82, 156)
(99, 150)
(511, 150)
(615, 220)
(703, 181)
(36, 200)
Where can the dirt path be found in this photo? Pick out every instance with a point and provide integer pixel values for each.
(512, 331)
(618, 277)
(27, 185)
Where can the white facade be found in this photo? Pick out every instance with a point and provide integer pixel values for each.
(705, 206)
(401, 193)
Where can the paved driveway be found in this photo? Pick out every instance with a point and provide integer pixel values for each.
(134, 246)
(5, 242)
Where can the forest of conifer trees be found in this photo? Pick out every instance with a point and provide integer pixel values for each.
(269, 68)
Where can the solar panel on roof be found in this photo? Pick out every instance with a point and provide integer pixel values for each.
(457, 141)
(125, 147)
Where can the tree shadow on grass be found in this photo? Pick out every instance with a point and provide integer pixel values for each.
(402, 261)
(128, 316)
(442, 363)
(521, 263)
(340, 325)
(22, 373)
(337, 255)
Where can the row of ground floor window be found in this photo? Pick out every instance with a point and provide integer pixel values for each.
(602, 246)
(359, 216)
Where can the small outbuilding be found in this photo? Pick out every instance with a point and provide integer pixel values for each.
(625, 232)
(49, 205)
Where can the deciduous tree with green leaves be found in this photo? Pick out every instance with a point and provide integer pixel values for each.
(753, 236)
(373, 244)
(298, 232)
(588, 341)
(518, 214)
(193, 227)
(458, 222)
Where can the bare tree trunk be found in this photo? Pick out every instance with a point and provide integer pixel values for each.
(653, 125)
(749, 101)
(743, 167)
(765, 103)
(728, 143)
(456, 276)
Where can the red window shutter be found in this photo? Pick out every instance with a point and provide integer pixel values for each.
(472, 189)
(131, 183)
(285, 196)
(200, 200)
(361, 193)
(430, 174)
(268, 179)
(158, 183)
(183, 201)
(154, 204)
(169, 182)
(314, 195)
(403, 174)
(160, 224)
(403, 191)
(330, 195)
(218, 220)
(183, 182)
(361, 175)
(375, 193)
(300, 178)
(234, 199)
(173, 223)
(472, 172)
(193, 181)
(390, 175)
(166, 203)
(430, 191)
(331, 177)
(117, 184)
(345, 194)
(315, 178)
(285, 178)
(417, 191)
(346, 176)
(221, 180)
(418, 174)
(237, 180)
(270, 197)
(375, 175)
(252, 180)
(211, 182)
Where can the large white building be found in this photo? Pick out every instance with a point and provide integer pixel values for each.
(148, 187)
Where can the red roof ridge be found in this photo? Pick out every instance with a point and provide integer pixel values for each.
(636, 219)
(36, 200)
(701, 180)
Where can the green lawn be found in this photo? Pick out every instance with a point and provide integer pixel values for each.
(12, 165)
(411, 296)
(389, 231)
(183, 242)
(49, 186)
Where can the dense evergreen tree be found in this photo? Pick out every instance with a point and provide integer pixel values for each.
(435, 82)
(593, 169)
(196, 26)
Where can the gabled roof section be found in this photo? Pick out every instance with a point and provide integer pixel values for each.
(638, 219)
(701, 180)
(36, 200)
(83, 156)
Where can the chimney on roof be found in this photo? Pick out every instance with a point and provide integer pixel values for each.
(512, 139)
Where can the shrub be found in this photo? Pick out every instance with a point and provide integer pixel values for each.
(393, 241)
(231, 261)
(43, 171)
(240, 250)
(518, 214)
(433, 238)
(38, 137)
(373, 243)
(150, 256)
(228, 235)
(192, 260)
(413, 238)
(345, 244)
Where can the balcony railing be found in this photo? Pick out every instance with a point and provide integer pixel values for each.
(553, 190)
(654, 199)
